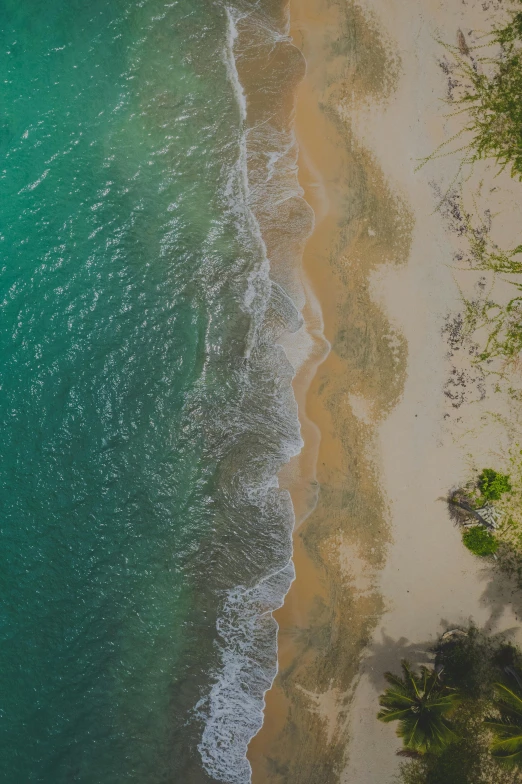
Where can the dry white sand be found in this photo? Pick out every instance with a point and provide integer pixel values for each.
(426, 445)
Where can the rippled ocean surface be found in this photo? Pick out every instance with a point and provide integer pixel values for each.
(146, 406)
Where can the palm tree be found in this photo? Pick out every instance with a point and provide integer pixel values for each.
(420, 703)
(506, 745)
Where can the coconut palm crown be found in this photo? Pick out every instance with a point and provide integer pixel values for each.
(421, 705)
(506, 745)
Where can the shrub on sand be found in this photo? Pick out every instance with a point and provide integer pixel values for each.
(480, 541)
(492, 484)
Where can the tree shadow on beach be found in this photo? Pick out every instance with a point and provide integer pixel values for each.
(387, 654)
(503, 591)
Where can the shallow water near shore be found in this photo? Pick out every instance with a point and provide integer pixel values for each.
(146, 404)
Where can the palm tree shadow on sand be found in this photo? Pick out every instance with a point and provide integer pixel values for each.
(386, 656)
(502, 592)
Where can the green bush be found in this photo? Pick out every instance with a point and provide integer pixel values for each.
(493, 101)
(480, 541)
(492, 484)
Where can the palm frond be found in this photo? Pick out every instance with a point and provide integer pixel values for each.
(506, 745)
(421, 704)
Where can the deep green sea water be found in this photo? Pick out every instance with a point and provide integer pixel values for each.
(145, 406)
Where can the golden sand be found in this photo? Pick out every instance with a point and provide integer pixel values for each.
(333, 604)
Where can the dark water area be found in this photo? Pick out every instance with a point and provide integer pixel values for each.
(145, 404)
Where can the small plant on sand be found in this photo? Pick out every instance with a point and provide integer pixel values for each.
(491, 319)
(504, 326)
(493, 101)
(493, 484)
(489, 95)
(473, 501)
(421, 704)
(491, 98)
(488, 511)
(480, 541)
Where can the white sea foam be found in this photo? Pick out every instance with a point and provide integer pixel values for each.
(233, 17)
(238, 192)
(232, 712)
(34, 184)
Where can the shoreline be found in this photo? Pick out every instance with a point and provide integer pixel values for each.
(380, 569)
(331, 559)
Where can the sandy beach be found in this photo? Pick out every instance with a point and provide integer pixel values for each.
(394, 416)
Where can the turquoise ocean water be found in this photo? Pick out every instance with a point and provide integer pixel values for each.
(145, 404)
